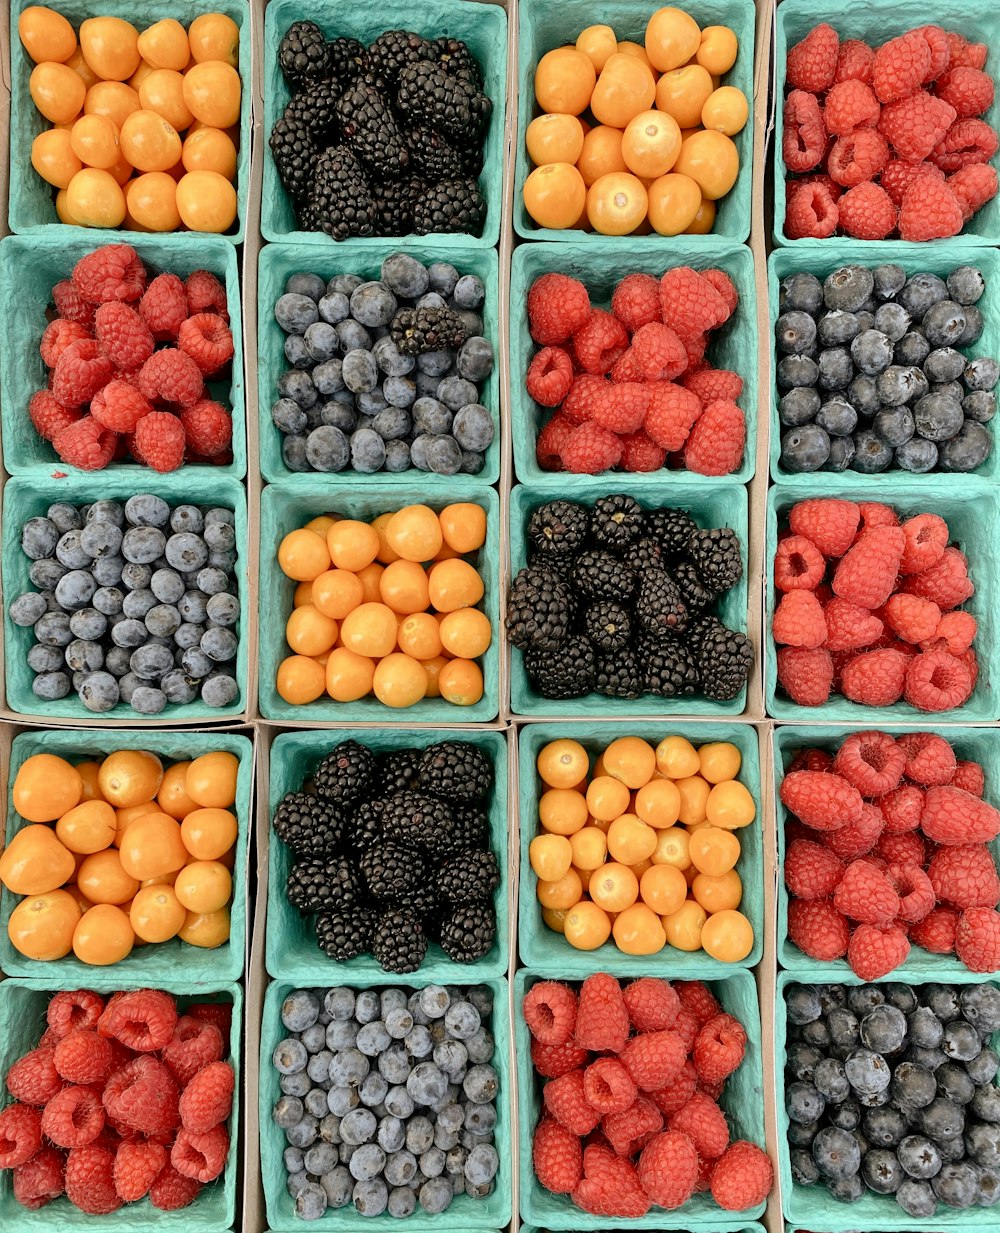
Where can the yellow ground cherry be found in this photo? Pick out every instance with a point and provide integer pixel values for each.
(94, 141)
(172, 796)
(598, 44)
(164, 45)
(663, 888)
(562, 811)
(204, 886)
(45, 786)
(126, 816)
(683, 927)
(56, 91)
(152, 201)
(673, 202)
(638, 931)
(711, 160)
(726, 111)
(658, 803)
(630, 760)
(550, 856)
(352, 544)
(130, 777)
(554, 138)
(607, 798)
(727, 936)
(704, 220)
(369, 578)
(53, 158)
(309, 632)
(683, 92)
(153, 845)
(463, 526)
(103, 879)
(214, 36)
(212, 93)
(82, 69)
(419, 635)
(46, 34)
(460, 682)
(336, 592)
(585, 926)
(205, 929)
(627, 47)
(555, 195)
(103, 935)
(162, 91)
(209, 149)
(717, 50)
(601, 154)
(91, 788)
(613, 886)
(561, 893)
(156, 914)
(590, 848)
(88, 827)
(562, 763)
(713, 850)
(454, 584)
(303, 555)
(676, 757)
(466, 633)
(404, 588)
(414, 533)
(110, 46)
(624, 88)
(35, 861)
(399, 680)
(672, 38)
(719, 760)
(348, 675)
(206, 202)
(300, 680)
(370, 629)
(209, 833)
(564, 81)
(672, 848)
(694, 797)
(730, 805)
(555, 918)
(715, 893)
(651, 143)
(630, 840)
(41, 926)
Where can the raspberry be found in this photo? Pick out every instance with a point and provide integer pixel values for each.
(208, 428)
(968, 90)
(119, 407)
(977, 939)
(902, 809)
(219, 1013)
(962, 52)
(818, 929)
(830, 523)
(973, 186)
(658, 353)
(566, 1100)
(113, 272)
(629, 1132)
(717, 440)
(81, 370)
(636, 301)
(964, 144)
(805, 675)
(601, 1017)
(172, 1190)
(70, 304)
(811, 871)
(207, 1100)
(929, 758)
(965, 876)
(551, 1061)
(679, 1091)
(875, 952)
(937, 41)
(607, 1086)
(743, 1177)
(812, 63)
(653, 1059)
(39, 1180)
(641, 454)
(725, 286)
(33, 1079)
(857, 838)
(549, 1010)
(194, 1045)
(811, 760)
(952, 817)
(83, 1057)
(143, 1020)
(864, 894)
(937, 931)
(689, 304)
(867, 572)
(73, 1117)
(20, 1135)
(623, 409)
(124, 336)
(550, 376)
(855, 61)
(686, 1026)
(798, 564)
(599, 342)
(610, 1185)
(590, 449)
(136, 1167)
(719, 1048)
(822, 801)
(867, 212)
(159, 441)
(906, 848)
(871, 761)
(898, 175)
(901, 66)
(696, 997)
(798, 620)
(202, 1155)
(171, 376)
(970, 777)
(551, 440)
(668, 1169)
(875, 678)
(849, 626)
(926, 537)
(652, 1004)
(946, 582)
(810, 212)
(58, 335)
(704, 1123)
(929, 211)
(625, 368)
(144, 1096)
(696, 348)
(713, 384)
(912, 619)
(206, 294)
(556, 1157)
(90, 1180)
(208, 340)
(858, 156)
(937, 681)
(164, 307)
(585, 395)
(85, 444)
(850, 104)
(671, 412)
(48, 416)
(915, 125)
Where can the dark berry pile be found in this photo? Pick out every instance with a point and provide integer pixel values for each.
(392, 852)
(875, 372)
(619, 599)
(891, 1089)
(384, 140)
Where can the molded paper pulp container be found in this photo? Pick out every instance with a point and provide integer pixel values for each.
(734, 346)
(544, 26)
(32, 203)
(938, 259)
(710, 506)
(156, 962)
(278, 261)
(875, 24)
(292, 950)
(284, 509)
(483, 28)
(805, 1206)
(543, 950)
(972, 511)
(22, 1021)
(25, 498)
(30, 266)
(464, 1213)
(742, 1101)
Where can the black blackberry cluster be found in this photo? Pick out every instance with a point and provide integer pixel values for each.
(384, 140)
(618, 600)
(391, 852)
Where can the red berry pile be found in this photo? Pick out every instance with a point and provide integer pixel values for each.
(632, 1077)
(888, 140)
(119, 1100)
(129, 354)
(632, 388)
(887, 846)
(868, 606)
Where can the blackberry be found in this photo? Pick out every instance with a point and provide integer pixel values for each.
(431, 155)
(558, 528)
(399, 941)
(366, 827)
(340, 198)
(620, 675)
(455, 771)
(470, 830)
(427, 94)
(394, 206)
(724, 658)
(455, 58)
(672, 527)
(607, 625)
(294, 153)
(559, 564)
(669, 667)
(645, 554)
(659, 605)
(345, 935)
(539, 609)
(416, 820)
(348, 59)
(473, 875)
(371, 130)
(692, 587)
(308, 825)
(303, 53)
(389, 870)
(326, 885)
(396, 771)
(616, 521)
(467, 932)
(394, 50)
(716, 555)
(345, 774)
(565, 672)
(418, 330)
(599, 575)
(451, 206)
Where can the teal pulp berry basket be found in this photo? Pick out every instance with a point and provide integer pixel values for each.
(710, 506)
(493, 1212)
(972, 512)
(22, 1022)
(938, 259)
(547, 952)
(875, 24)
(292, 952)
(976, 744)
(543, 27)
(279, 261)
(32, 201)
(810, 1207)
(483, 28)
(30, 266)
(153, 963)
(285, 508)
(601, 269)
(25, 498)
(742, 1101)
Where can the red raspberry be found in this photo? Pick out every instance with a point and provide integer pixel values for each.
(73, 1117)
(915, 125)
(625, 368)
(805, 675)
(964, 144)
(926, 537)
(113, 272)
(962, 52)
(207, 1100)
(219, 1013)
(866, 895)
(866, 574)
(867, 212)
(822, 801)
(810, 212)
(946, 582)
(704, 1123)
(623, 410)
(977, 939)
(849, 626)
(208, 428)
(164, 306)
(970, 777)
(48, 416)
(798, 564)
(658, 353)
(601, 1017)
(206, 294)
(586, 393)
(973, 186)
(812, 62)
(33, 1079)
(85, 444)
(70, 304)
(875, 952)
(850, 104)
(717, 440)
(194, 1045)
(811, 871)
(811, 760)
(39, 1180)
(590, 449)
(898, 175)
(549, 1010)
(829, 522)
(636, 301)
(629, 1132)
(937, 681)
(144, 1096)
(936, 932)
(719, 1048)
(912, 619)
(965, 876)
(171, 376)
(136, 1167)
(713, 384)
(855, 61)
(696, 998)
(902, 809)
(857, 838)
(858, 156)
(672, 411)
(89, 1178)
(551, 1061)
(689, 304)
(599, 342)
(929, 211)
(20, 1135)
(668, 1169)
(556, 1157)
(119, 406)
(679, 1090)
(968, 90)
(798, 620)
(871, 761)
(124, 336)
(929, 758)
(641, 454)
(607, 1086)
(875, 678)
(654, 1059)
(81, 370)
(172, 1190)
(725, 286)
(143, 1020)
(906, 848)
(610, 1186)
(159, 441)
(550, 376)
(743, 1177)
(940, 50)
(952, 817)
(208, 340)
(818, 929)
(551, 440)
(58, 335)
(201, 1155)
(916, 895)
(652, 1004)
(565, 1099)
(83, 1057)
(901, 66)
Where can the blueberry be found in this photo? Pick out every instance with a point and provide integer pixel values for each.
(297, 353)
(220, 645)
(143, 545)
(797, 370)
(51, 686)
(847, 1115)
(954, 1084)
(75, 590)
(373, 304)
(986, 1102)
(980, 406)
(293, 453)
(99, 692)
(804, 449)
(52, 629)
(434, 364)
(369, 404)
(803, 1004)
(334, 307)
(956, 1185)
(353, 336)
(881, 1171)
(837, 417)
(831, 1080)
(883, 1029)
(397, 456)
(46, 572)
(328, 378)
(314, 287)
(888, 280)
(456, 393)
(898, 385)
(982, 373)
(961, 1041)
(327, 449)
(45, 658)
(801, 291)
(295, 312)
(980, 1005)
(982, 1144)
(922, 292)
(942, 1119)
(871, 351)
(69, 551)
(367, 451)
(835, 368)
(83, 655)
(431, 416)
(64, 517)
(178, 688)
(358, 1126)
(399, 392)
(27, 608)
(146, 700)
(469, 292)
(360, 372)
(925, 1028)
(186, 552)
(801, 1061)
(944, 323)
(841, 454)
(975, 323)
(473, 428)
(966, 284)
(482, 1164)
(804, 1169)
(837, 328)
(444, 456)
(405, 276)
(474, 361)
(321, 342)
(912, 349)
(472, 462)
(187, 518)
(795, 332)
(848, 288)
(817, 1033)
(867, 1071)
(836, 1153)
(300, 1010)
(298, 386)
(480, 1084)
(892, 320)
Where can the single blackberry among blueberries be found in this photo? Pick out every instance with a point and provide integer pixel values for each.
(599, 575)
(308, 826)
(346, 773)
(345, 935)
(295, 154)
(669, 667)
(431, 156)
(427, 94)
(470, 830)
(399, 941)
(616, 521)
(450, 206)
(645, 554)
(418, 330)
(329, 884)
(370, 128)
(558, 528)
(303, 53)
(340, 197)
(691, 586)
(715, 553)
(366, 827)
(540, 609)
(467, 931)
(565, 672)
(394, 205)
(471, 876)
(314, 108)
(416, 820)
(455, 771)
(607, 625)
(659, 605)
(348, 59)
(394, 50)
(458, 61)
(672, 527)
(724, 658)
(396, 771)
(388, 869)
(620, 675)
